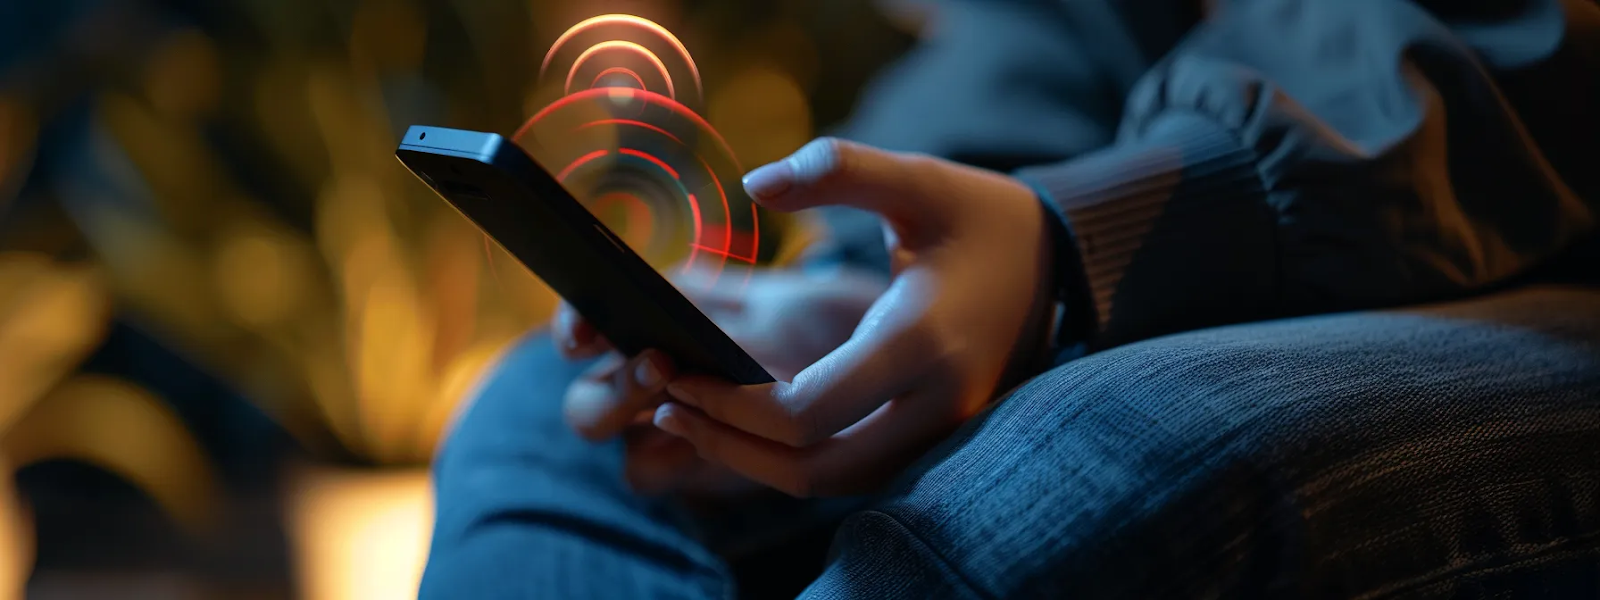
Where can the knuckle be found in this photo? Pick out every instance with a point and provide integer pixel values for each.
(798, 422)
(802, 427)
(823, 159)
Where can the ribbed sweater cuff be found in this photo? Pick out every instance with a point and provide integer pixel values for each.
(1165, 233)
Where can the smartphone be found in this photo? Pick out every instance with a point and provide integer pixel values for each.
(523, 208)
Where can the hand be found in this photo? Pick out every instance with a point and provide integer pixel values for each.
(785, 320)
(968, 306)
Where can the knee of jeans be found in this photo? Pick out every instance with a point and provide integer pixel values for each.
(1061, 488)
(873, 548)
(514, 411)
(1346, 453)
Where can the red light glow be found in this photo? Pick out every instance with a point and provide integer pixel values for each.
(645, 96)
(562, 176)
(653, 160)
(623, 71)
(629, 122)
(621, 46)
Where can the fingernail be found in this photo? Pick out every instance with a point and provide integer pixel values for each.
(646, 374)
(667, 420)
(769, 181)
(587, 404)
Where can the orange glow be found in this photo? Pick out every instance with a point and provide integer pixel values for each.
(638, 226)
(359, 534)
(636, 49)
(618, 71)
(743, 259)
(16, 539)
(51, 318)
(653, 160)
(128, 431)
(628, 21)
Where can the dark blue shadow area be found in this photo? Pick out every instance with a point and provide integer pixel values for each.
(89, 520)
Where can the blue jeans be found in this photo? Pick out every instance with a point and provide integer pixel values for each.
(1450, 451)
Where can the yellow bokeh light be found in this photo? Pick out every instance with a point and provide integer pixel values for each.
(128, 431)
(391, 353)
(367, 330)
(262, 276)
(359, 534)
(51, 317)
(16, 538)
(763, 114)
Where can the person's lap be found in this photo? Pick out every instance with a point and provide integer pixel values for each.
(1439, 451)
(525, 508)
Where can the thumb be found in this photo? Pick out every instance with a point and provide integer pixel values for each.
(831, 171)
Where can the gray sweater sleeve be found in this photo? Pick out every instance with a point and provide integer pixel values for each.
(998, 84)
(1298, 156)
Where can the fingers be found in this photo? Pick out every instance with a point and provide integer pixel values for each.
(830, 171)
(888, 356)
(606, 399)
(575, 338)
(859, 459)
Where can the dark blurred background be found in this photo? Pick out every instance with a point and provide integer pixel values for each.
(232, 327)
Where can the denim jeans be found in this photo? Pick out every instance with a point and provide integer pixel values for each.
(1449, 451)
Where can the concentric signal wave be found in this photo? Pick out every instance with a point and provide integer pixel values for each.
(625, 139)
(636, 46)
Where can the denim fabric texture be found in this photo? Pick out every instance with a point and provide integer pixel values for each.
(1447, 451)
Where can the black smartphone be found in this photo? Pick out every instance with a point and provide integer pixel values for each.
(522, 207)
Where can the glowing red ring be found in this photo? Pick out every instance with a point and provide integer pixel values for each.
(620, 45)
(561, 177)
(653, 160)
(649, 97)
(621, 19)
(629, 122)
(694, 203)
(618, 71)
